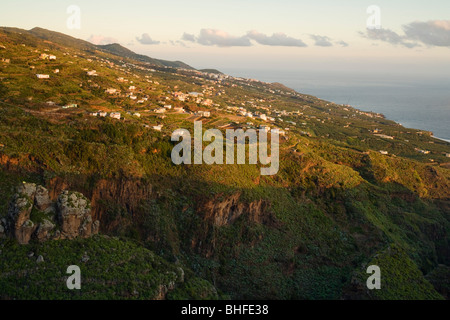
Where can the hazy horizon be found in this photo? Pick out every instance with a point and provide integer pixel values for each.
(285, 35)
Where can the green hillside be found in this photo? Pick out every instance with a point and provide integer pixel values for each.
(336, 205)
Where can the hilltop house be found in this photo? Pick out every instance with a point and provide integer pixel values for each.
(115, 115)
(160, 110)
(102, 114)
(92, 73)
(205, 114)
(43, 76)
(158, 128)
(384, 152)
(69, 106)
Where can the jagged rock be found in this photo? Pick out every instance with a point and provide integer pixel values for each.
(44, 229)
(72, 212)
(24, 233)
(40, 259)
(42, 199)
(20, 210)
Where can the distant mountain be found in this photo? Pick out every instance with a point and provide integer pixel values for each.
(115, 48)
(119, 50)
(211, 71)
(61, 39)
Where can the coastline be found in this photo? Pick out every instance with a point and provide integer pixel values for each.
(400, 100)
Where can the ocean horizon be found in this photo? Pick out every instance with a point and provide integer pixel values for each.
(417, 102)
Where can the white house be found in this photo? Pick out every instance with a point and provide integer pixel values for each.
(43, 76)
(111, 90)
(103, 114)
(115, 115)
(69, 106)
(263, 117)
(384, 152)
(158, 128)
(52, 57)
(168, 106)
(137, 114)
(92, 73)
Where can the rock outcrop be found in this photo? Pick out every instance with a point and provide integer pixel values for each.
(33, 215)
(222, 211)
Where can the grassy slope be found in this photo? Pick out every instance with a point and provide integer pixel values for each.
(337, 201)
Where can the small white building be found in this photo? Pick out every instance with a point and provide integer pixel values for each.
(160, 110)
(92, 73)
(263, 117)
(178, 109)
(111, 90)
(52, 57)
(115, 115)
(43, 76)
(137, 114)
(384, 152)
(102, 114)
(158, 128)
(168, 106)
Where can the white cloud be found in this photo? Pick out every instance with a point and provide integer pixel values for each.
(147, 40)
(213, 37)
(321, 41)
(276, 39)
(101, 40)
(188, 37)
(432, 33)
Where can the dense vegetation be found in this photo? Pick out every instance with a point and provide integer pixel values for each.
(335, 205)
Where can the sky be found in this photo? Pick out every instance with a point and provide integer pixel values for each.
(369, 37)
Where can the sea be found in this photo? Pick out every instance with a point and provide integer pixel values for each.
(419, 102)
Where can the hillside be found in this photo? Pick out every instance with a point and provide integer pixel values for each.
(117, 49)
(351, 184)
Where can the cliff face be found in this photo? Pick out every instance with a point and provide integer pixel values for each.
(33, 215)
(221, 212)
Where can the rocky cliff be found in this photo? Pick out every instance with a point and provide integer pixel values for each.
(33, 215)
